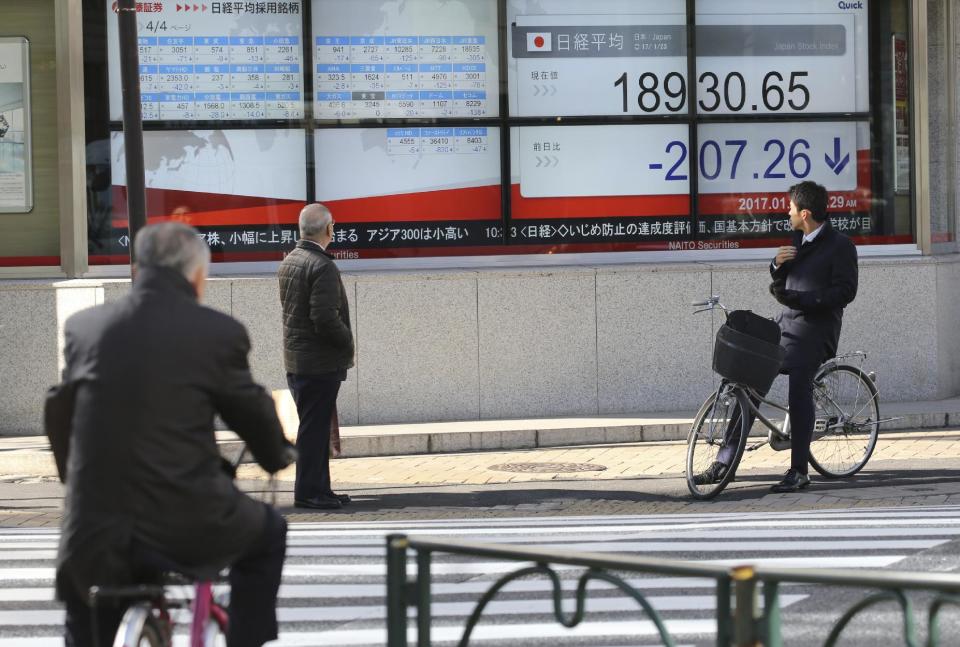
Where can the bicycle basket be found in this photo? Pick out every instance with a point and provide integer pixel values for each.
(748, 350)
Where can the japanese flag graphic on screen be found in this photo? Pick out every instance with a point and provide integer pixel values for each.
(539, 42)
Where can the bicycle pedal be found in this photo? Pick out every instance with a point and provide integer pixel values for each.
(820, 425)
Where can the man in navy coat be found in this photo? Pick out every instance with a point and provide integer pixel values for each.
(814, 278)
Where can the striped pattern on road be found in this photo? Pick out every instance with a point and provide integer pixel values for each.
(334, 579)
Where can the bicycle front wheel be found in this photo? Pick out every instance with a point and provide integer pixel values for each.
(847, 421)
(709, 435)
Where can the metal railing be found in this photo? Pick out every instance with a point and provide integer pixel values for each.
(740, 621)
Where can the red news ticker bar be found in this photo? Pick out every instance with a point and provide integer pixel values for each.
(504, 250)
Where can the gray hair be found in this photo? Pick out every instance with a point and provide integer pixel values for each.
(314, 219)
(173, 245)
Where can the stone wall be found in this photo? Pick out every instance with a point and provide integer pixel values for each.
(494, 344)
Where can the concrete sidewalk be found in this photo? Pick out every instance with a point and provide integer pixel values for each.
(908, 468)
(31, 456)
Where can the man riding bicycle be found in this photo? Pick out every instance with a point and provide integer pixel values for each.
(814, 278)
(144, 378)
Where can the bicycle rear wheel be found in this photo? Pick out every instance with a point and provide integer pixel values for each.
(152, 635)
(847, 422)
(213, 635)
(708, 436)
(140, 628)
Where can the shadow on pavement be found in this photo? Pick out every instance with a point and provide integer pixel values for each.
(555, 496)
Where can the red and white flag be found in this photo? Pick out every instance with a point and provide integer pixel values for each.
(539, 42)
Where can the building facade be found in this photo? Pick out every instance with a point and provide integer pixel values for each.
(528, 193)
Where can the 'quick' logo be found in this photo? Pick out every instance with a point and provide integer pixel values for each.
(850, 5)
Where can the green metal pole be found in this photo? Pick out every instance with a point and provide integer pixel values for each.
(724, 615)
(424, 615)
(397, 590)
(770, 632)
(744, 621)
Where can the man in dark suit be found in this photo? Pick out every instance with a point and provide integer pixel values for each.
(814, 278)
(317, 351)
(146, 485)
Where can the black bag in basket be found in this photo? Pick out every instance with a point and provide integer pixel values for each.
(748, 350)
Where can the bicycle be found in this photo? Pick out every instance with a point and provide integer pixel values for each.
(845, 432)
(150, 620)
(152, 614)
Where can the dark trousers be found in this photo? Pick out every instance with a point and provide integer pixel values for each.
(315, 396)
(802, 418)
(254, 582)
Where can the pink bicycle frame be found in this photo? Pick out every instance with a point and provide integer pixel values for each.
(204, 609)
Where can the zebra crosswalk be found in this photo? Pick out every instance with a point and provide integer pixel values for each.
(334, 583)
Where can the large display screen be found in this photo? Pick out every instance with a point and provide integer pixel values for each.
(753, 57)
(393, 191)
(243, 189)
(630, 183)
(744, 172)
(604, 57)
(411, 59)
(576, 185)
(760, 57)
(215, 61)
(690, 122)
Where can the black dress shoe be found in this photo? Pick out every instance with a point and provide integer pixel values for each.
(344, 498)
(792, 481)
(319, 503)
(712, 474)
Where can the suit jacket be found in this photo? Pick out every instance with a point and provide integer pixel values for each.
(824, 278)
(317, 339)
(146, 375)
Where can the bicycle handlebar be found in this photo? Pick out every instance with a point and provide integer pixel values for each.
(709, 304)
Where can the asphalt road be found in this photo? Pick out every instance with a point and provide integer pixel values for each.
(896, 515)
(333, 590)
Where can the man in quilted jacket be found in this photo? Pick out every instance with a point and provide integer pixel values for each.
(317, 351)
